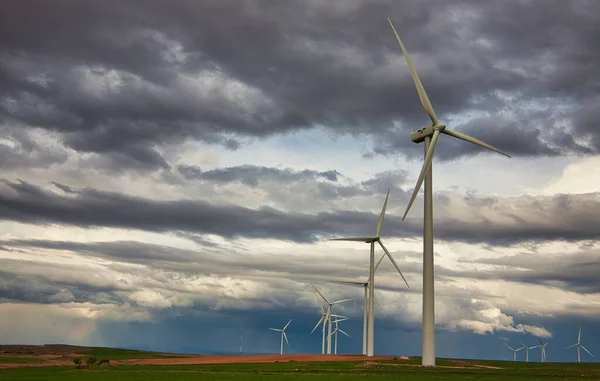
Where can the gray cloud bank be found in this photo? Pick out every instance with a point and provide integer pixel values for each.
(125, 80)
(469, 219)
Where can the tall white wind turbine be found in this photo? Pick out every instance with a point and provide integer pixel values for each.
(430, 135)
(328, 314)
(542, 347)
(514, 351)
(283, 335)
(578, 345)
(371, 240)
(365, 286)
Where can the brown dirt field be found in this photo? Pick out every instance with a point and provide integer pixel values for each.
(246, 359)
(210, 359)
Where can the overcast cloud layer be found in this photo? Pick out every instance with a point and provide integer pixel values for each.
(183, 164)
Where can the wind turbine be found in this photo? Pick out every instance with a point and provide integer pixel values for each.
(336, 330)
(430, 135)
(578, 345)
(527, 350)
(365, 286)
(543, 349)
(372, 240)
(324, 320)
(514, 351)
(283, 335)
(327, 318)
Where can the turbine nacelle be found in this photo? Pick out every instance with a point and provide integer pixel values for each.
(419, 135)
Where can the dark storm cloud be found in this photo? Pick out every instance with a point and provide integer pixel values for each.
(252, 175)
(19, 149)
(522, 219)
(206, 261)
(30, 281)
(124, 79)
(577, 272)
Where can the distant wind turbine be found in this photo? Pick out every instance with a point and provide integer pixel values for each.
(241, 338)
(365, 286)
(336, 330)
(322, 319)
(543, 349)
(371, 240)
(578, 345)
(430, 135)
(514, 351)
(283, 335)
(327, 318)
(527, 350)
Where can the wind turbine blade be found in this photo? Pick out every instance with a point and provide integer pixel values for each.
(377, 301)
(340, 316)
(520, 348)
(424, 170)
(511, 348)
(393, 261)
(420, 90)
(319, 322)
(579, 336)
(571, 346)
(470, 139)
(348, 282)
(319, 292)
(590, 353)
(342, 301)
(343, 332)
(327, 317)
(322, 310)
(275, 329)
(285, 337)
(382, 215)
(378, 263)
(356, 239)
(540, 340)
(287, 324)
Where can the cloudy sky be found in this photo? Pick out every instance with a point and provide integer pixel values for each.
(174, 170)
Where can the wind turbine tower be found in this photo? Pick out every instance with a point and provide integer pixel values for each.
(336, 330)
(429, 135)
(365, 286)
(514, 351)
(283, 335)
(328, 315)
(527, 350)
(543, 349)
(578, 345)
(371, 240)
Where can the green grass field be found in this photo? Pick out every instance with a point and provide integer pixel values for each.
(353, 370)
(6, 359)
(121, 354)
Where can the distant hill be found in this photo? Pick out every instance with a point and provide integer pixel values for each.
(64, 349)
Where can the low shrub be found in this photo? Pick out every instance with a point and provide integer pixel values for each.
(91, 360)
